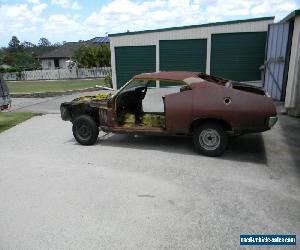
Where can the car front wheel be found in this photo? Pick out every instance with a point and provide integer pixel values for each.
(85, 130)
(210, 139)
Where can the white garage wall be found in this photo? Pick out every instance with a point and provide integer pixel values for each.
(152, 38)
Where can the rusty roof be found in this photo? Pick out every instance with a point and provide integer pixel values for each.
(188, 77)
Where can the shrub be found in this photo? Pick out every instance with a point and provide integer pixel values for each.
(20, 75)
(12, 70)
(89, 57)
(108, 81)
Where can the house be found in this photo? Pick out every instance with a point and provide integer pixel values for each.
(5, 66)
(282, 62)
(56, 58)
(233, 50)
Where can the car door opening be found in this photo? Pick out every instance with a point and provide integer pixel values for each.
(129, 107)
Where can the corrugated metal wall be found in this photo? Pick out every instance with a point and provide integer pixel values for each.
(277, 60)
(292, 97)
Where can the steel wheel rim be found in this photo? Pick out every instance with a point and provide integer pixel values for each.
(83, 130)
(209, 139)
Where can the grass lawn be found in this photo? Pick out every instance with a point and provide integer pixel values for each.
(51, 86)
(10, 119)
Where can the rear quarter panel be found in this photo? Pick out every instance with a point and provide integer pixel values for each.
(245, 111)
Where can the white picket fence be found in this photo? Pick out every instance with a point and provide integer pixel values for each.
(57, 74)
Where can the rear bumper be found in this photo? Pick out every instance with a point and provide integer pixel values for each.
(272, 121)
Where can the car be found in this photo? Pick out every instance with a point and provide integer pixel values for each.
(206, 107)
(5, 100)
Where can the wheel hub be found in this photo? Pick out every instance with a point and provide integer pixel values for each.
(83, 131)
(209, 139)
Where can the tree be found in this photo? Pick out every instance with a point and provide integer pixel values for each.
(14, 44)
(85, 57)
(2, 55)
(26, 45)
(24, 60)
(57, 44)
(88, 57)
(102, 55)
(21, 60)
(9, 58)
(44, 42)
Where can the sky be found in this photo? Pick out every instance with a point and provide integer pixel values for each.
(73, 20)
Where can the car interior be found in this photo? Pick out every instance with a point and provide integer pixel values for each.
(232, 84)
(131, 104)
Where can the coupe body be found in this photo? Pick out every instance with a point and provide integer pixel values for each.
(206, 107)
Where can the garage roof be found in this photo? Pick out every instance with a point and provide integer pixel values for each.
(291, 16)
(193, 26)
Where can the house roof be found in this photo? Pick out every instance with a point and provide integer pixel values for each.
(65, 51)
(194, 26)
(101, 40)
(291, 16)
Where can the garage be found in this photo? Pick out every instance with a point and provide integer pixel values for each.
(238, 56)
(232, 49)
(187, 55)
(133, 60)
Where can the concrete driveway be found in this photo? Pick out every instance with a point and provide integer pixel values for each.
(144, 192)
(50, 105)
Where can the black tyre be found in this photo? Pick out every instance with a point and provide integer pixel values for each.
(210, 139)
(85, 130)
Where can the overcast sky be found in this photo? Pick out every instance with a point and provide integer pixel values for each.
(73, 20)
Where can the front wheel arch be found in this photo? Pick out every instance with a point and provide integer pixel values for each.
(84, 109)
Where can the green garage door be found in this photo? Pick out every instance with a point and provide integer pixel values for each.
(133, 60)
(189, 55)
(238, 56)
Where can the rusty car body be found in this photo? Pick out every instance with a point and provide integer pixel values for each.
(206, 107)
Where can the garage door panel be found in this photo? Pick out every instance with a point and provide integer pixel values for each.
(133, 60)
(187, 54)
(238, 56)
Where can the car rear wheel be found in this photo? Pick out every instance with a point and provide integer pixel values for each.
(85, 130)
(210, 139)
